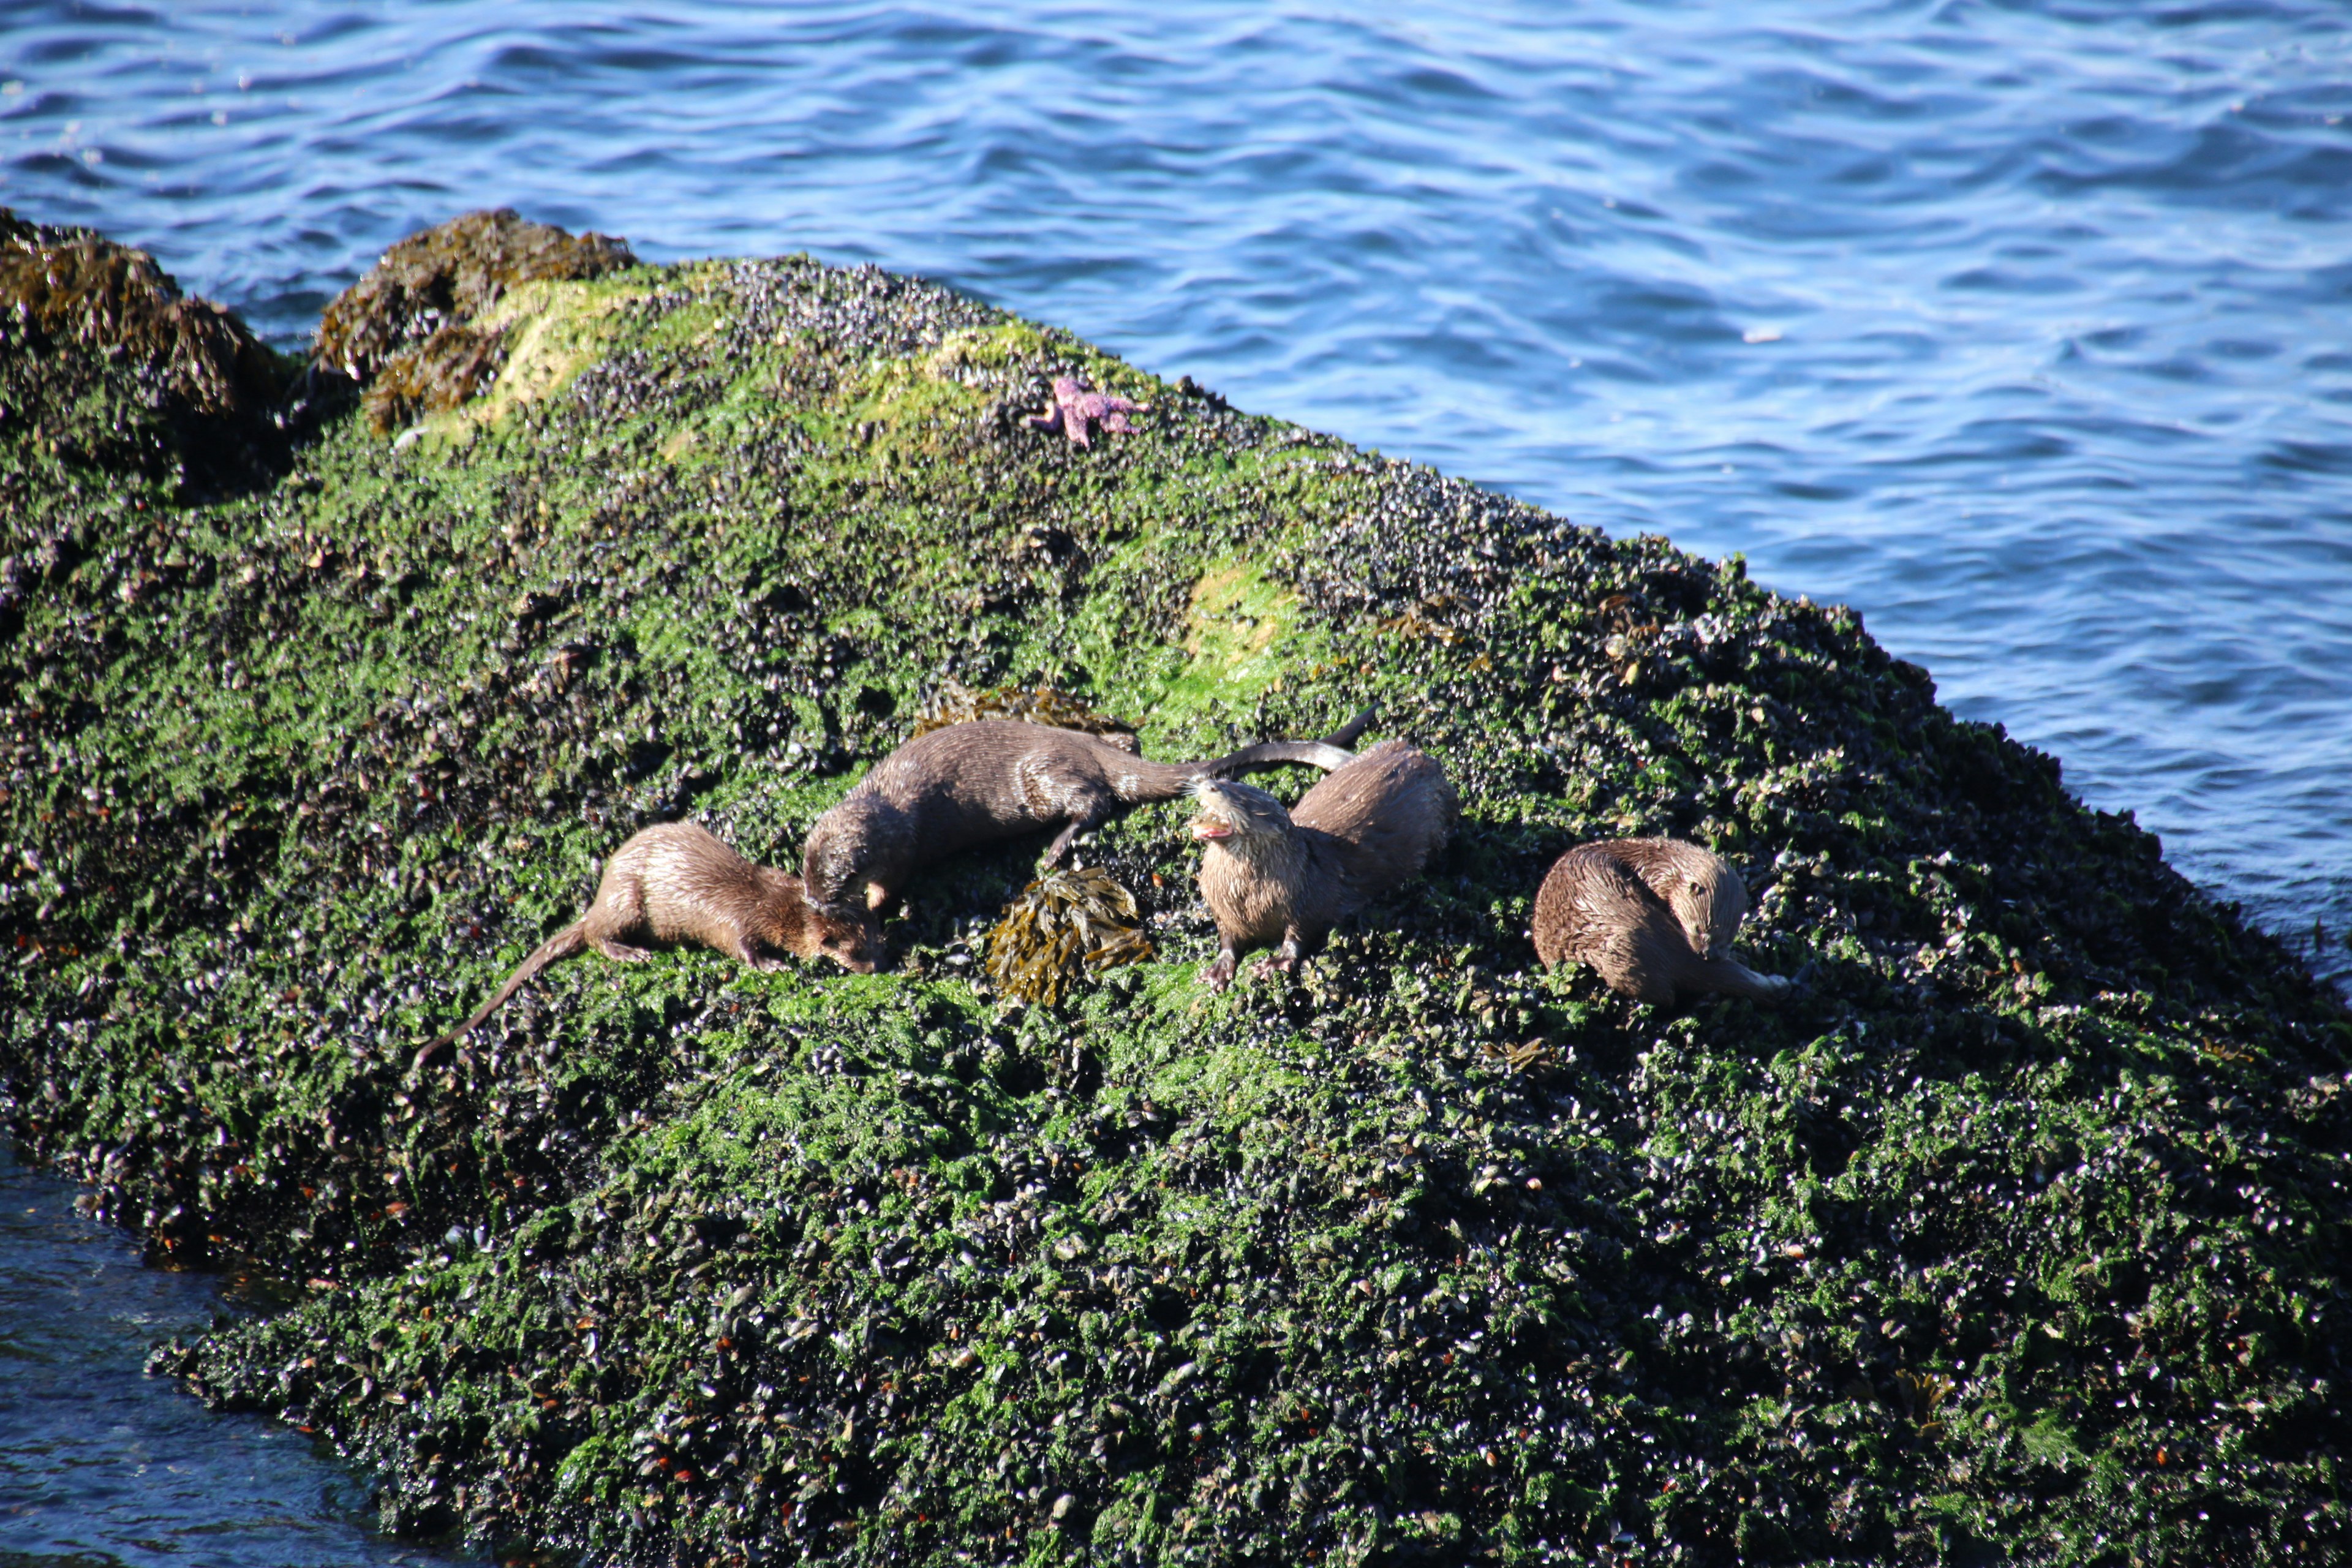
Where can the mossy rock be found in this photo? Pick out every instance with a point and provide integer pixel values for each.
(73, 287)
(2019, 1238)
(105, 367)
(406, 331)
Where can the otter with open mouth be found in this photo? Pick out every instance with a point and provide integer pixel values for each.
(1288, 877)
(993, 779)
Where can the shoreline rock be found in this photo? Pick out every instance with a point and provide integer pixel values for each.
(2022, 1235)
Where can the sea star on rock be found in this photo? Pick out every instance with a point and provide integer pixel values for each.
(1075, 408)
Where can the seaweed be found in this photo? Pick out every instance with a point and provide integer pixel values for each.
(404, 329)
(109, 373)
(71, 287)
(447, 370)
(955, 704)
(1061, 925)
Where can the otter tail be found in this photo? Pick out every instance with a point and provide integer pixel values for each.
(572, 941)
(1328, 753)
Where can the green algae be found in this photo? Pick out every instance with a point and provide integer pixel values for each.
(2020, 1237)
(409, 331)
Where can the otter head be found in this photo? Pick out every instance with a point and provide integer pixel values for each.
(852, 943)
(1238, 816)
(1709, 901)
(856, 848)
(812, 931)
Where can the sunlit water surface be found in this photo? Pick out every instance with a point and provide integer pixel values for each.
(2026, 330)
(101, 1465)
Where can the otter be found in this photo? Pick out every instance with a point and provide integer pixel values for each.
(990, 779)
(1655, 916)
(675, 882)
(1292, 875)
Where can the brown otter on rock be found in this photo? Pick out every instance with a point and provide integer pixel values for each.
(998, 778)
(1655, 916)
(1289, 876)
(674, 883)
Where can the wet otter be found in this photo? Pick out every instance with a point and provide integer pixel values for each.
(998, 778)
(1655, 916)
(1292, 875)
(675, 882)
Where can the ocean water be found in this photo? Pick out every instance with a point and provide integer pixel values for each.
(2024, 329)
(102, 1466)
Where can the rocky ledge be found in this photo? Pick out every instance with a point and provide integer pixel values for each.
(2018, 1236)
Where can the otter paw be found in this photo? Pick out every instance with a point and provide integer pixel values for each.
(1220, 975)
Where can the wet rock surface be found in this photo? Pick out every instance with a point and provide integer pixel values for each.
(2019, 1236)
(103, 362)
(406, 332)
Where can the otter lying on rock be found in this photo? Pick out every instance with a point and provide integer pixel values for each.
(1290, 876)
(1655, 916)
(676, 883)
(998, 778)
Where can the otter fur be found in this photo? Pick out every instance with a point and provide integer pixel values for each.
(1289, 876)
(991, 779)
(1655, 916)
(673, 883)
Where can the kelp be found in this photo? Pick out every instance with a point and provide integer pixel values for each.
(1063, 924)
(955, 704)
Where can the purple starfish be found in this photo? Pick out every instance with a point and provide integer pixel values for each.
(1074, 408)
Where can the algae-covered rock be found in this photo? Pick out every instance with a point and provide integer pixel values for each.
(406, 329)
(2019, 1238)
(74, 288)
(105, 366)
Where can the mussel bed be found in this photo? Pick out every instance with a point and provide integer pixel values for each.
(2018, 1237)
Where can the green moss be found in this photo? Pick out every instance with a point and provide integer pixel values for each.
(2020, 1233)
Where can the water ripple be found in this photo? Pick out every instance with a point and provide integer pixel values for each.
(101, 1467)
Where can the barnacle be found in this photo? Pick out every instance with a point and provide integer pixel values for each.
(1061, 925)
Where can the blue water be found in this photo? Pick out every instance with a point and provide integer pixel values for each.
(2026, 330)
(101, 1465)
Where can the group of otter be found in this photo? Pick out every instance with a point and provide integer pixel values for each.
(1655, 917)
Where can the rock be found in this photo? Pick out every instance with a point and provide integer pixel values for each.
(1426, 1252)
